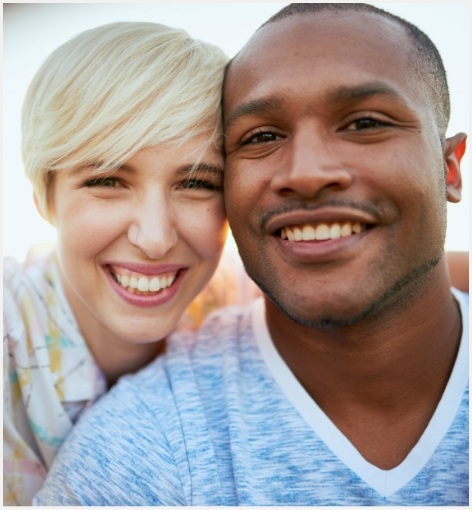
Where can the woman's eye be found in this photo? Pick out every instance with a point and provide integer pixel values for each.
(103, 182)
(262, 137)
(201, 184)
(365, 123)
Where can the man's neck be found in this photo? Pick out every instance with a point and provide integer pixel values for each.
(380, 377)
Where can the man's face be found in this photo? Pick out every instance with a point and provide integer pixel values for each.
(335, 177)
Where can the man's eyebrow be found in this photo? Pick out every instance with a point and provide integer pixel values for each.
(341, 94)
(254, 107)
(364, 91)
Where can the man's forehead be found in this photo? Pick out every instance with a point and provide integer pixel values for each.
(291, 32)
(308, 46)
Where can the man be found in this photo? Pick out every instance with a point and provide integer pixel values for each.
(348, 384)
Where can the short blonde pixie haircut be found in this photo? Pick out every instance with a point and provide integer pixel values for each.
(113, 90)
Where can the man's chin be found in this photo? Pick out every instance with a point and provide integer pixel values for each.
(337, 307)
(323, 319)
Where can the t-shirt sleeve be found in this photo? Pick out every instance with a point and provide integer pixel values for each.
(116, 455)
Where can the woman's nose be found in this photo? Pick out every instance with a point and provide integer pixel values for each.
(153, 228)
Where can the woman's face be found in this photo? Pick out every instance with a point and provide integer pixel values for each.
(136, 246)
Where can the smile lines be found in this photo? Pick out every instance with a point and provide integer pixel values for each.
(143, 285)
(321, 231)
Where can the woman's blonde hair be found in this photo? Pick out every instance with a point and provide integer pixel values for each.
(115, 89)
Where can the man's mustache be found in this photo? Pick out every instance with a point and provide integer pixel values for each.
(372, 209)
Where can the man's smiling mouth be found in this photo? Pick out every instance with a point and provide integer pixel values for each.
(321, 231)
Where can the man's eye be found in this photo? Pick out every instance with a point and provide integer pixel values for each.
(262, 137)
(365, 123)
(103, 182)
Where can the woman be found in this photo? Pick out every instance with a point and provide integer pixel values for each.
(122, 143)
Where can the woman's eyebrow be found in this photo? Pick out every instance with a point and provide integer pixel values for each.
(201, 167)
(97, 169)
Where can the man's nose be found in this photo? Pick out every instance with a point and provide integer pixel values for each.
(310, 165)
(153, 226)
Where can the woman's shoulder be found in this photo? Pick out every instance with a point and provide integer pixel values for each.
(39, 261)
(11, 269)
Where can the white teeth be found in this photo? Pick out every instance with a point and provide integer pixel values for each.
(346, 230)
(143, 284)
(335, 231)
(135, 283)
(322, 231)
(309, 233)
(155, 284)
(297, 234)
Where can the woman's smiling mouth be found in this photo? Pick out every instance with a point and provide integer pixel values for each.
(140, 284)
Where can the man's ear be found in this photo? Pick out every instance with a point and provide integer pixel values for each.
(454, 150)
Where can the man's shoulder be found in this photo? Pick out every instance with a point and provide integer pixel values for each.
(130, 422)
(154, 414)
(185, 352)
(193, 364)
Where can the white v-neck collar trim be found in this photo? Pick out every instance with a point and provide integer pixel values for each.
(385, 482)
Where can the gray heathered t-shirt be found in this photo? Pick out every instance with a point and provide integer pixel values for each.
(220, 420)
